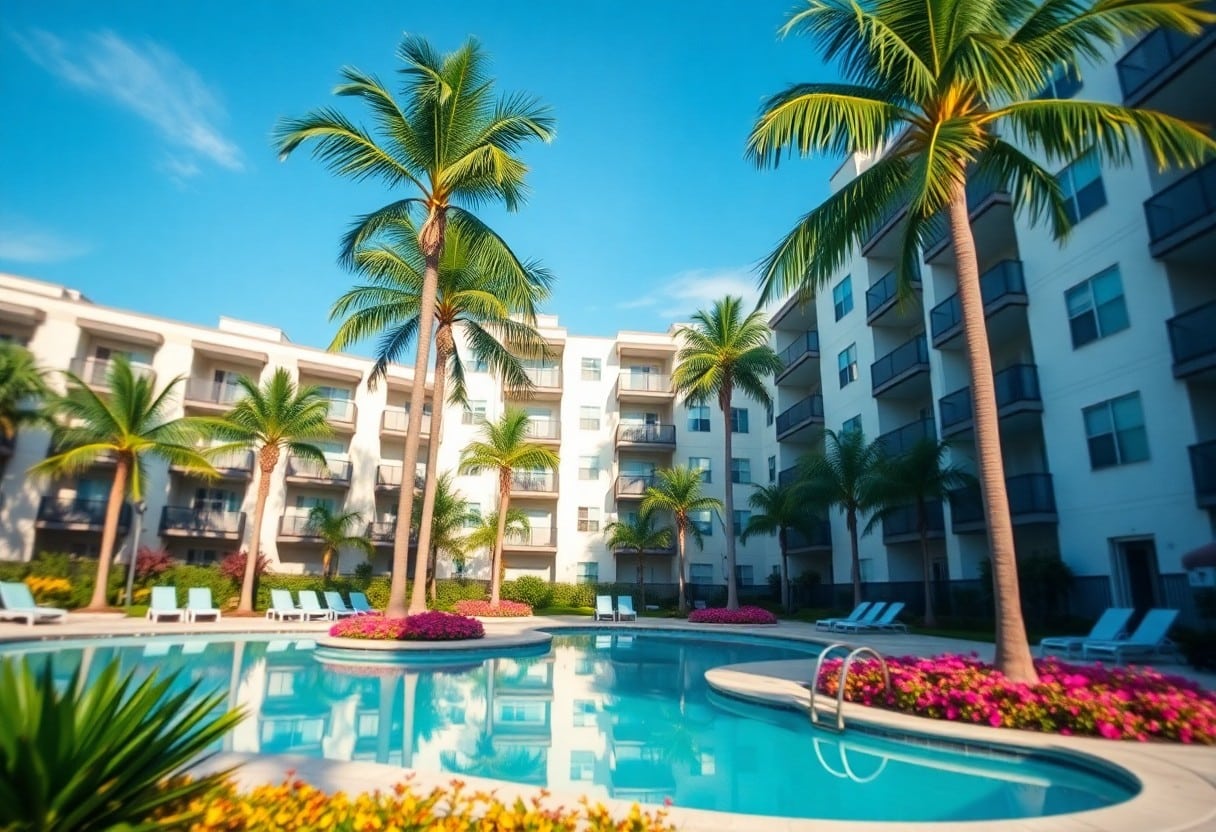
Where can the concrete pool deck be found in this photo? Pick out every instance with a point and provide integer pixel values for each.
(1178, 782)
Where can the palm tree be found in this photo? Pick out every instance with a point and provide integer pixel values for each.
(722, 352)
(484, 535)
(639, 534)
(449, 518)
(126, 424)
(504, 451)
(918, 476)
(844, 476)
(938, 92)
(334, 530)
(22, 390)
(269, 419)
(452, 142)
(493, 304)
(678, 492)
(779, 509)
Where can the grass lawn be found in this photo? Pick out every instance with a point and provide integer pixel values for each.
(565, 611)
(137, 611)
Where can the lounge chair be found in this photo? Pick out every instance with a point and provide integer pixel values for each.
(164, 604)
(1109, 627)
(310, 605)
(887, 621)
(858, 612)
(19, 605)
(282, 607)
(871, 615)
(624, 608)
(603, 608)
(1148, 640)
(337, 606)
(358, 602)
(198, 604)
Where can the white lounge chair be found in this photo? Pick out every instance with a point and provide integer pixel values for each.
(1148, 640)
(858, 612)
(164, 605)
(624, 608)
(871, 615)
(358, 602)
(1110, 626)
(19, 605)
(198, 604)
(310, 605)
(337, 607)
(603, 608)
(282, 607)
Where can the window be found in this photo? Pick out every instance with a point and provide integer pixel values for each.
(474, 413)
(842, 297)
(589, 417)
(768, 415)
(698, 418)
(582, 763)
(201, 556)
(1096, 307)
(1063, 83)
(772, 469)
(472, 515)
(701, 463)
(700, 573)
(588, 519)
(591, 369)
(743, 574)
(588, 467)
(738, 420)
(1082, 185)
(703, 521)
(846, 363)
(584, 713)
(1115, 430)
(742, 515)
(588, 572)
(741, 471)
(852, 425)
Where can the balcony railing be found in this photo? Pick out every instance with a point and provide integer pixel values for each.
(335, 471)
(807, 344)
(902, 521)
(230, 464)
(1189, 200)
(804, 411)
(53, 511)
(1192, 338)
(199, 522)
(537, 536)
(890, 214)
(644, 382)
(95, 371)
(910, 356)
(646, 434)
(213, 392)
(545, 377)
(1014, 385)
(884, 293)
(544, 429)
(902, 439)
(382, 532)
(397, 420)
(1203, 472)
(788, 476)
(820, 538)
(1150, 59)
(634, 485)
(1004, 280)
(544, 482)
(389, 476)
(342, 411)
(1030, 495)
(297, 525)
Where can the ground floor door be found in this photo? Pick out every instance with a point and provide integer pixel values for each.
(1136, 575)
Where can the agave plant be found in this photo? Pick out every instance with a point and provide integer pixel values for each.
(107, 755)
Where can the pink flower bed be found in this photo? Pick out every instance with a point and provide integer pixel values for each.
(743, 615)
(1129, 703)
(482, 609)
(427, 626)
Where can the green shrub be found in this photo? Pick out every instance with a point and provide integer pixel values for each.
(448, 592)
(363, 572)
(14, 571)
(530, 590)
(224, 594)
(573, 595)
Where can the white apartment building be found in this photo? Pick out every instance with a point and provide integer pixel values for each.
(1103, 353)
(604, 404)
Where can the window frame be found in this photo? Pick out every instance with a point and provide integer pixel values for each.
(707, 470)
(698, 418)
(1072, 194)
(740, 422)
(849, 372)
(591, 369)
(584, 419)
(737, 466)
(842, 297)
(1117, 435)
(1085, 293)
(593, 472)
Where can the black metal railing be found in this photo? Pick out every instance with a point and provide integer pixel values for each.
(646, 434)
(902, 520)
(389, 476)
(883, 221)
(1029, 494)
(1002, 280)
(331, 470)
(540, 481)
(900, 440)
(884, 292)
(1193, 333)
(807, 344)
(907, 356)
(1152, 57)
(788, 476)
(634, 484)
(382, 532)
(73, 512)
(1203, 471)
(1019, 383)
(820, 537)
(1191, 199)
(201, 522)
(801, 412)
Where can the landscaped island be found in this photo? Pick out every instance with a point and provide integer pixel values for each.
(426, 626)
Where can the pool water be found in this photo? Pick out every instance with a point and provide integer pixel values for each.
(624, 716)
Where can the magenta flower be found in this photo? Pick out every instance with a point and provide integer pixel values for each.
(427, 626)
(721, 615)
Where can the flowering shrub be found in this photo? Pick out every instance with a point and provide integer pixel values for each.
(54, 592)
(427, 626)
(151, 563)
(721, 615)
(482, 609)
(1132, 703)
(232, 566)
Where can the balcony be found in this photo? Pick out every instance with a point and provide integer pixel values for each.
(342, 415)
(395, 421)
(95, 372)
(296, 528)
(333, 473)
(1181, 217)
(536, 539)
(788, 476)
(658, 551)
(1166, 71)
(904, 370)
(802, 415)
(74, 515)
(388, 477)
(1031, 500)
(885, 307)
(1017, 393)
(800, 360)
(993, 230)
(1193, 340)
(382, 533)
(1001, 287)
(633, 486)
(212, 396)
(1203, 473)
(900, 525)
(883, 238)
(643, 387)
(902, 439)
(820, 539)
(230, 465)
(534, 484)
(546, 384)
(545, 431)
(183, 521)
(646, 437)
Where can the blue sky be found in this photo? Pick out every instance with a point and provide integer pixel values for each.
(136, 160)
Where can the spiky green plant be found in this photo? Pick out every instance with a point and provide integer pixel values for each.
(338, 531)
(780, 509)
(677, 491)
(639, 534)
(23, 390)
(449, 518)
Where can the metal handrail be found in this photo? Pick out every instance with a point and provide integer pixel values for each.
(844, 674)
(814, 686)
(846, 772)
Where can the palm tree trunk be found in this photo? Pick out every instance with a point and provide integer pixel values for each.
(785, 569)
(728, 504)
(922, 526)
(683, 602)
(431, 238)
(432, 564)
(424, 566)
(268, 458)
(851, 522)
(1013, 656)
(118, 492)
(496, 563)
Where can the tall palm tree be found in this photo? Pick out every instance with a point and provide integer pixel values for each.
(125, 423)
(269, 419)
(504, 450)
(678, 492)
(938, 92)
(451, 143)
(844, 476)
(484, 534)
(639, 534)
(780, 509)
(336, 531)
(496, 307)
(449, 518)
(918, 476)
(23, 389)
(724, 351)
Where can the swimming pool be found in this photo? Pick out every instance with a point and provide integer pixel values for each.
(608, 714)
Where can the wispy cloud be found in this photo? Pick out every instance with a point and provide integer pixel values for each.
(677, 297)
(149, 81)
(21, 242)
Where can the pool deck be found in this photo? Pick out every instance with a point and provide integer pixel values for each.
(1178, 782)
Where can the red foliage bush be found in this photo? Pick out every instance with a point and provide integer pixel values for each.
(721, 615)
(150, 563)
(482, 609)
(233, 566)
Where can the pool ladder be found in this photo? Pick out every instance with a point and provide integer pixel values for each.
(838, 711)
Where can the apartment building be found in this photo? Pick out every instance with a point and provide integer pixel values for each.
(604, 404)
(1103, 353)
